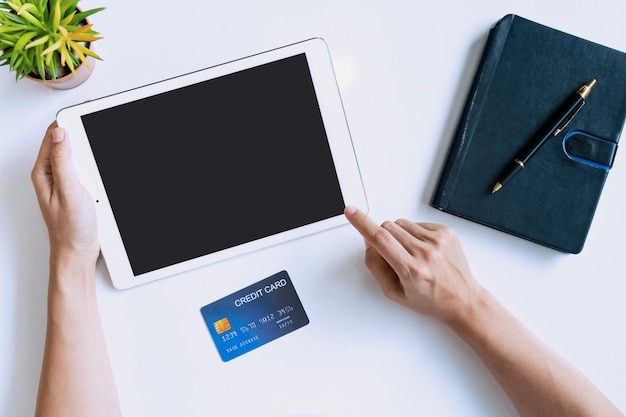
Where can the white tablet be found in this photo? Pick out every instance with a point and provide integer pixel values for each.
(216, 163)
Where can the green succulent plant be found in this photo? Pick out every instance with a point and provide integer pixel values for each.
(45, 38)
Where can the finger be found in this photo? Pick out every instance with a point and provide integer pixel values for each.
(384, 275)
(371, 232)
(380, 239)
(421, 231)
(433, 227)
(433, 233)
(61, 160)
(41, 174)
(411, 238)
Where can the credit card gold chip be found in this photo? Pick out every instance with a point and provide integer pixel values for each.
(222, 325)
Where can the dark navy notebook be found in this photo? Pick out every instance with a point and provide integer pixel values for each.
(526, 72)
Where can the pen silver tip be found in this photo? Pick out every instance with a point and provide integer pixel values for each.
(496, 187)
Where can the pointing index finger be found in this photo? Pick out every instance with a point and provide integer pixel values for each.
(361, 222)
(380, 238)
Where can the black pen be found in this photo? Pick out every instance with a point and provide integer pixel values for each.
(561, 118)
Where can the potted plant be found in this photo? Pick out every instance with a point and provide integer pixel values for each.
(47, 40)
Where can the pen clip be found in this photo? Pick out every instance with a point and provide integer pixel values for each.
(564, 125)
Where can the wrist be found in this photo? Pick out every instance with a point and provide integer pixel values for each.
(72, 272)
(486, 325)
(479, 307)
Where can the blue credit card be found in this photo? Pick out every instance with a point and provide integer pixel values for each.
(254, 316)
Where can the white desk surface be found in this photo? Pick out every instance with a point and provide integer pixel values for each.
(404, 69)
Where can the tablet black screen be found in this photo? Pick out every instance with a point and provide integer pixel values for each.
(216, 164)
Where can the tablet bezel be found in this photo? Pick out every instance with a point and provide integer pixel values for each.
(334, 120)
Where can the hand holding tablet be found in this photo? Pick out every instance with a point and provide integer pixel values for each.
(216, 163)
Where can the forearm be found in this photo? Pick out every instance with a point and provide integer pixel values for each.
(76, 377)
(537, 380)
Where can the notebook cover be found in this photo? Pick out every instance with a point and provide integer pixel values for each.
(526, 72)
